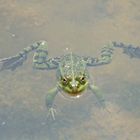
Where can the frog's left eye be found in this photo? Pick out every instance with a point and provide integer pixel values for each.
(82, 80)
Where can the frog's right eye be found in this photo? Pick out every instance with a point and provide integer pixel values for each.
(64, 81)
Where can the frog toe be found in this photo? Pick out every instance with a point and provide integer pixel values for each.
(52, 113)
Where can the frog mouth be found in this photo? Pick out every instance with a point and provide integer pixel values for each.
(74, 94)
(74, 91)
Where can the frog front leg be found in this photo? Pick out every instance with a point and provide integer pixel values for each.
(99, 95)
(97, 92)
(50, 100)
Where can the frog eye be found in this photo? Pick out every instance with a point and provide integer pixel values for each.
(82, 78)
(64, 80)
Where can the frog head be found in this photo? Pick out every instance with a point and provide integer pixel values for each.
(72, 75)
(74, 85)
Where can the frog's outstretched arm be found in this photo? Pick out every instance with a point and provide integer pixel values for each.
(49, 101)
(105, 57)
(40, 60)
(132, 51)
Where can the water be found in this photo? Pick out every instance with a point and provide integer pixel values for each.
(83, 27)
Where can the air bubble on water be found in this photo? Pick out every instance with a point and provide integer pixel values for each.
(3, 123)
(13, 35)
(67, 48)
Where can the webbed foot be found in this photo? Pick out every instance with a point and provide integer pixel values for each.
(12, 63)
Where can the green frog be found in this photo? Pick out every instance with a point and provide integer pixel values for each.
(71, 69)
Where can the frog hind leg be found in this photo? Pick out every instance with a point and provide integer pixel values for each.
(49, 102)
(11, 63)
(130, 50)
(40, 56)
(104, 58)
(40, 60)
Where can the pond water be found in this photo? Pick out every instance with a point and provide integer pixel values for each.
(83, 27)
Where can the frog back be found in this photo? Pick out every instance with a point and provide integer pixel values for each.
(71, 65)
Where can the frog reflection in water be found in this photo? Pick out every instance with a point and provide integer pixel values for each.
(72, 74)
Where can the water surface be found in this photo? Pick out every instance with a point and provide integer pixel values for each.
(84, 27)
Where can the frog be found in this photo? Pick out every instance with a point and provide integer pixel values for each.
(72, 73)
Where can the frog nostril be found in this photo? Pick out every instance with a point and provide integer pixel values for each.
(74, 83)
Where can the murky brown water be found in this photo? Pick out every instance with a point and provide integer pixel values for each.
(83, 27)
